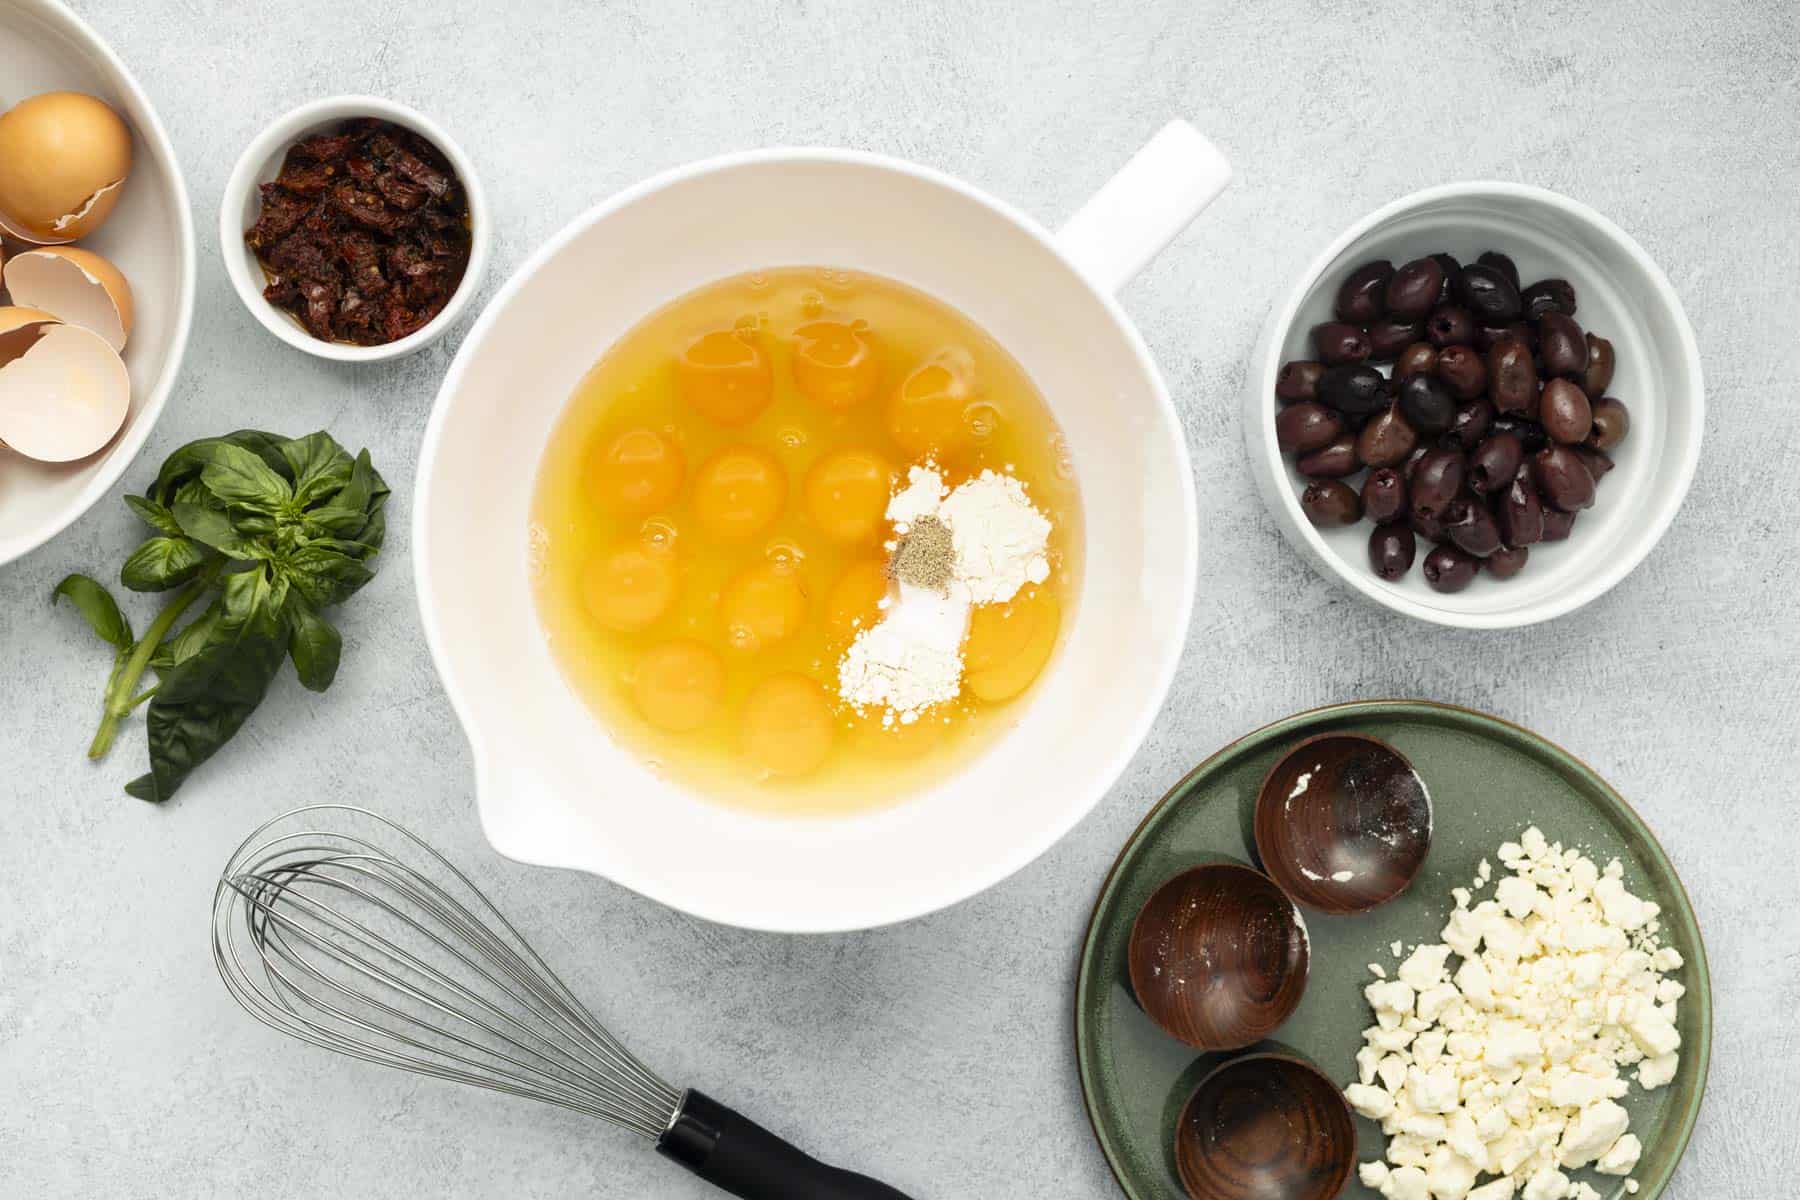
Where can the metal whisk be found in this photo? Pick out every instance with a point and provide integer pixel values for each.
(343, 929)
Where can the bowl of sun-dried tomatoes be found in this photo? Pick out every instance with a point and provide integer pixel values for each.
(355, 229)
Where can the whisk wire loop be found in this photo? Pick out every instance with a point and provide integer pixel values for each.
(375, 946)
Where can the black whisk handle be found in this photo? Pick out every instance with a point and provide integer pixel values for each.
(735, 1153)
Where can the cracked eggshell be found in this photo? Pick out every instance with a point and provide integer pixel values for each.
(64, 159)
(18, 330)
(64, 396)
(76, 286)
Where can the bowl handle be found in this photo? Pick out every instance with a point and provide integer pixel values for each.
(1141, 209)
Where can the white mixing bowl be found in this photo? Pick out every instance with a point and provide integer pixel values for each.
(553, 788)
(46, 48)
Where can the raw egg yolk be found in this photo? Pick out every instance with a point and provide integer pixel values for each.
(679, 685)
(854, 603)
(636, 471)
(847, 494)
(901, 740)
(1008, 645)
(834, 365)
(925, 415)
(762, 605)
(739, 492)
(629, 587)
(787, 726)
(726, 378)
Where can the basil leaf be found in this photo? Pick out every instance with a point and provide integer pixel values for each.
(156, 515)
(323, 575)
(95, 603)
(189, 641)
(161, 563)
(319, 464)
(335, 520)
(187, 463)
(213, 527)
(204, 699)
(314, 645)
(241, 479)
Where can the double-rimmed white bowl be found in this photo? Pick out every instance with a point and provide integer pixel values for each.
(1623, 296)
(45, 48)
(552, 786)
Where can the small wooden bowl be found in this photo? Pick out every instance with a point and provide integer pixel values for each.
(1265, 1127)
(1219, 956)
(1343, 822)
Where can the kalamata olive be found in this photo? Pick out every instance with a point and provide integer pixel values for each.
(1486, 334)
(1428, 525)
(1384, 495)
(1512, 376)
(1333, 461)
(1501, 263)
(1389, 337)
(1599, 374)
(1471, 526)
(1463, 371)
(1338, 343)
(1391, 550)
(1506, 562)
(1452, 272)
(1414, 289)
(1562, 478)
(1490, 297)
(1494, 462)
(1565, 413)
(1612, 421)
(1427, 404)
(1420, 358)
(1355, 391)
(1363, 295)
(1472, 421)
(1298, 380)
(1548, 295)
(1412, 463)
(1562, 347)
(1520, 514)
(1329, 503)
(1530, 434)
(1599, 463)
(1557, 524)
(1437, 479)
(1448, 325)
(1448, 569)
(1387, 439)
(1307, 426)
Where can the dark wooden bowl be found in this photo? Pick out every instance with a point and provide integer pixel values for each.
(1218, 956)
(1343, 822)
(1265, 1127)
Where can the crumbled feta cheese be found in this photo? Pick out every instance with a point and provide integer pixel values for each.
(1508, 1063)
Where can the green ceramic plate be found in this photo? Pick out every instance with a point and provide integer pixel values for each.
(1488, 781)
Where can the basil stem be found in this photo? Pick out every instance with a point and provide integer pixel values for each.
(121, 689)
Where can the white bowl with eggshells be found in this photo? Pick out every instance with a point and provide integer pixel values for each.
(148, 236)
(261, 162)
(1623, 296)
(554, 788)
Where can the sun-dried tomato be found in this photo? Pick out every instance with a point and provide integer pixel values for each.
(364, 235)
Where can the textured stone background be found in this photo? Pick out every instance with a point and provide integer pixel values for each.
(938, 1052)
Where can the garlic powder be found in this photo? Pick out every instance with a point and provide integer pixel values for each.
(911, 660)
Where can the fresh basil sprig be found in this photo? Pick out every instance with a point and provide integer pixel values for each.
(269, 532)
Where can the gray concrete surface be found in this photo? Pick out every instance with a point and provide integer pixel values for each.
(939, 1052)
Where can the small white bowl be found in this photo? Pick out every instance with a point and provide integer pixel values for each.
(1623, 296)
(261, 162)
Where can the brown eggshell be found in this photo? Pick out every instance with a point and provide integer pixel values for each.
(64, 158)
(78, 286)
(64, 397)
